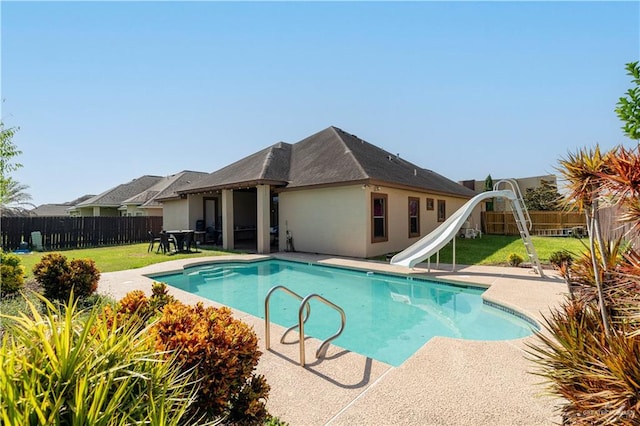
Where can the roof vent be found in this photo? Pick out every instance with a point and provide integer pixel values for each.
(398, 155)
(389, 157)
(415, 172)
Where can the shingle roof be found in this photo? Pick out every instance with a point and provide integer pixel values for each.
(331, 156)
(57, 209)
(115, 196)
(166, 188)
(50, 210)
(270, 165)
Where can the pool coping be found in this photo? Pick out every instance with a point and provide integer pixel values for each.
(346, 388)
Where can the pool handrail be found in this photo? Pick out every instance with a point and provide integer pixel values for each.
(267, 322)
(322, 349)
(323, 346)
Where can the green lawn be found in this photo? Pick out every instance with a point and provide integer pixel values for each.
(488, 250)
(494, 249)
(117, 258)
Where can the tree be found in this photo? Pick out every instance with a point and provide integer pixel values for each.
(544, 197)
(488, 186)
(628, 109)
(13, 197)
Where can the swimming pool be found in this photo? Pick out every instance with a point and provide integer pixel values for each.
(388, 317)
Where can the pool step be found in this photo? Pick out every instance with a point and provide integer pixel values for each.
(214, 273)
(217, 277)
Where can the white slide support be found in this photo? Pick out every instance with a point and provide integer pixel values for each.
(439, 237)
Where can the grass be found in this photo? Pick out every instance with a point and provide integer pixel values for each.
(116, 258)
(488, 250)
(494, 249)
(108, 259)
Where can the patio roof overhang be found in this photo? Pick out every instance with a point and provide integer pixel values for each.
(230, 185)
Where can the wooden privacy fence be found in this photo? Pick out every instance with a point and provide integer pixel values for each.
(544, 222)
(558, 224)
(65, 232)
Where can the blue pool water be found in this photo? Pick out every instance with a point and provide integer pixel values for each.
(388, 317)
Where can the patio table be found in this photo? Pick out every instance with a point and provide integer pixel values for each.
(179, 237)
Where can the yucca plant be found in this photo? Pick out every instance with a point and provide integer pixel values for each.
(583, 171)
(590, 351)
(70, 367)
(598, 375)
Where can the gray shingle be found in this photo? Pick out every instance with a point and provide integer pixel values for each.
(329, 157)
(270, 165)
(115, 196)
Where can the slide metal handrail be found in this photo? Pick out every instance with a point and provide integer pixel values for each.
(516, 190)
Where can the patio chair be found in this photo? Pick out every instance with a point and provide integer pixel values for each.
(165, 243)
(153, 239)
(190, 241)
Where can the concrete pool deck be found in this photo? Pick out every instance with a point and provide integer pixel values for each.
(446, 382)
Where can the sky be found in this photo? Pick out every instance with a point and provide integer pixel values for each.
(105, 92)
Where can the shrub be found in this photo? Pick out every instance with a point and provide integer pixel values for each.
(514, 259)
(160, 296)
(137, 303)
(59, 276)
(598, 375)
(70, 367)
(11, 274)
(224, 353)
(561, 258)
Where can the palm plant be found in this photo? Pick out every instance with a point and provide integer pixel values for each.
(583, 172)
(13, 198)
(590, 354)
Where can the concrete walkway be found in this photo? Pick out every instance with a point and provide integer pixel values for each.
(446, 382)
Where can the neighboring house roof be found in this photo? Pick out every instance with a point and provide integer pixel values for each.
(329, 157)
(164, 189)
(50, 210)
(115, 196)
(57, 209)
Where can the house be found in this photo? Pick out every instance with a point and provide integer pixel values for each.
(331, 193)
(109, 202)
(524, 183)
(146, 202)
(57, 209)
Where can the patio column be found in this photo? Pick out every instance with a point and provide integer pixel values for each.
(264, 219)
(227, 219)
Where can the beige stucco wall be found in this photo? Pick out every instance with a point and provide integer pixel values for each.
(327, 220)
(338, 220)
(196, 209)
(175, 214)
(155, 211)
(398, 218)
(183, 213)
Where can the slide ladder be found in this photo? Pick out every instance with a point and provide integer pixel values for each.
(523, 222)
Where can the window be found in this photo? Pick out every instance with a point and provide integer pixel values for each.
(378, 218)
(429, 203)
(442, 210)
(414, 217)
